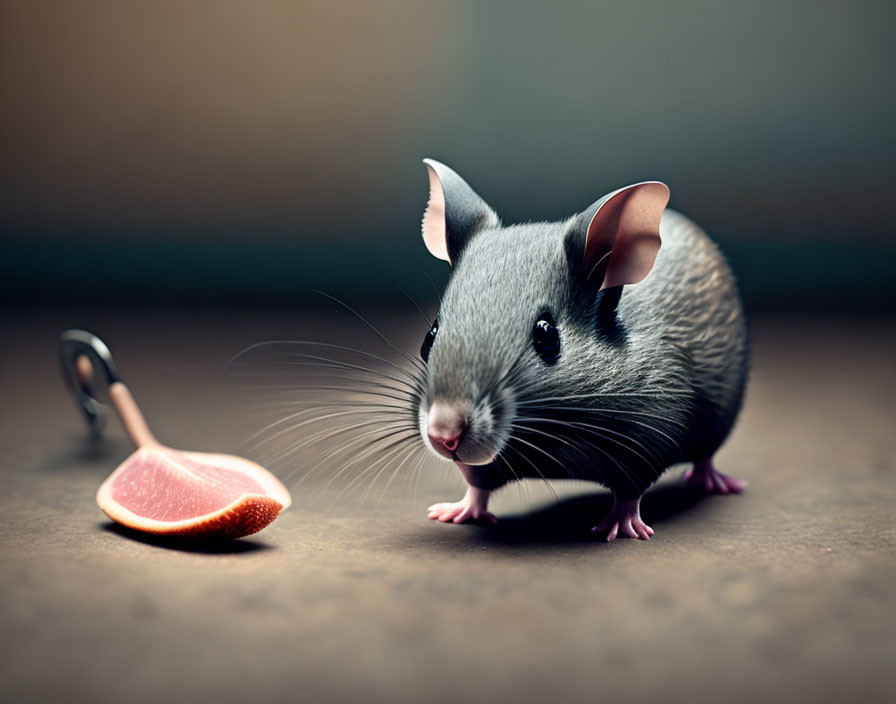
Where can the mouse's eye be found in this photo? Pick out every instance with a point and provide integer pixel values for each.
(428, 340)
(546, 338)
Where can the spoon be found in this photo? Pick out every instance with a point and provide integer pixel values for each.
(158, 489)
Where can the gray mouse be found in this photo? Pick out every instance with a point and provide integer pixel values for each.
(580, 349)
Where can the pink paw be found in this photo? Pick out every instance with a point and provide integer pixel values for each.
(470, 508)
(625, 520)
(707, 478)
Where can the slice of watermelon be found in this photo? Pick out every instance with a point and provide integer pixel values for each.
(165, 491)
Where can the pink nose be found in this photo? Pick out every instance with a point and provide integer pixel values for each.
(449, 444)
(447, 425)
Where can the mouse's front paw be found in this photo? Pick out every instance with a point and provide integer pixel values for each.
(625, 521)
(470, 508)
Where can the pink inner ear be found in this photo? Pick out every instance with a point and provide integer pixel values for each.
(627, 229)
(434, 234)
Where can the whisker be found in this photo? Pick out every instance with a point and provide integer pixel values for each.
(326, 382)
(417, 363)
(417, 472)
(411, 453)
(327, 363)
(312, 343)
(606, 394)
(365, 392)
(359, 404)
(291, 416)
(578, 409)
(298, 393)
(626, 472)
(391, 449)
(656, 430)
(518, 480)
(505, 376)
(391, 417)
(590, 427)
(597, 430)
(433, 284)
(355, 445)
(329, 433)
(516, 426)
(537, 471)
(410, 477)
(416, 305)
(523, 492)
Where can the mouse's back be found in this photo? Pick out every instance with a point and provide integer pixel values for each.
(690, 301)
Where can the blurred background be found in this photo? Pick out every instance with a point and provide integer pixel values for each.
(237, 152)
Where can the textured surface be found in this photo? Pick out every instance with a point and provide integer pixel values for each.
(782, 594)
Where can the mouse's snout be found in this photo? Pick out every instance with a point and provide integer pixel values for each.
(446, 425)
(466, 430)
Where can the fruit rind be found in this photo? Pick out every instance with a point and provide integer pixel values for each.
(247, 515)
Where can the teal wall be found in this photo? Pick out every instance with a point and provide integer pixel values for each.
(233, 151)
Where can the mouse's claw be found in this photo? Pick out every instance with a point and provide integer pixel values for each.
(707, 478)
(470, 508)
(625, 521)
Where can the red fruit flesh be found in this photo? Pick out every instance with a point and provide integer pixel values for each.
(164, 491)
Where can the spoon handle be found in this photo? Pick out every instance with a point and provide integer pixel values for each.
(131, 417)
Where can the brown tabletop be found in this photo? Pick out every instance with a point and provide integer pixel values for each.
(783, 593)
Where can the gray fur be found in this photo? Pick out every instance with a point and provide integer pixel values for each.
(669, 363)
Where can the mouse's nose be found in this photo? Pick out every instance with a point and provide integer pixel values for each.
(446, 427)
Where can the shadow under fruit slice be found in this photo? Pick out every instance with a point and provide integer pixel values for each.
(168, 492)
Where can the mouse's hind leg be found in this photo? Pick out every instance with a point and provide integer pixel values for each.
(706, 477)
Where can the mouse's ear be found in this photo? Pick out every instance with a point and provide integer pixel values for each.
(454, 213)
(623, 233)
